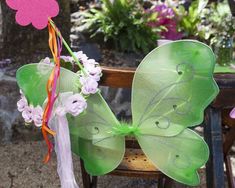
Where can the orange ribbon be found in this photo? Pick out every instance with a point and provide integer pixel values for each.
(51, 89)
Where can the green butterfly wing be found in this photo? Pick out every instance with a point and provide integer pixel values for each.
(92, 138)
(172, 86)
(178, 156)
(32, 80)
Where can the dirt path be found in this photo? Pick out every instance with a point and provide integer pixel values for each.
(21, 166)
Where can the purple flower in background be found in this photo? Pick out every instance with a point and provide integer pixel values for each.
(37, 116)
(22, 103)
(166, 18)
(27, 114)
(75, 104)
(165, 12)
(89, 85)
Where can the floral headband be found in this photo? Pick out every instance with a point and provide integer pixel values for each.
(76, 104)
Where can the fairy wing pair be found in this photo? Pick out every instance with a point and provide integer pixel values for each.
(171, 88)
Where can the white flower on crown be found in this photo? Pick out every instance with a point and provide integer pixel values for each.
(75, 104)
(67, 58)
(37, 116)
(22, 104)
(81, 56)
(93, 69)
(89, 85)
(27, 114)
(46, 61)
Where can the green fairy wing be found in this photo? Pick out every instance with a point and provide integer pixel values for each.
(172, 86)
(92, 138)
(178, 156)
(32, 80)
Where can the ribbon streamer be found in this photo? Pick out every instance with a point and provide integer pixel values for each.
(55, 44)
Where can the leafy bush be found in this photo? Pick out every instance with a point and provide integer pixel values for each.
(218, 22)
(190, 19)
(124, 23)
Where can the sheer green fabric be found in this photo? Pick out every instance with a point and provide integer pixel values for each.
(92, 138)
(172, 86)
(32, 80)
(178, 156)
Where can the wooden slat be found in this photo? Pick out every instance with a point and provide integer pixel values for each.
(136, 164)
(225, 99)
(135, 159)
(225, 80)
(141, 174)
(122, 78)
(117, 77)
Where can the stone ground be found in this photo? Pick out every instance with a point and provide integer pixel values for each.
(21, 166)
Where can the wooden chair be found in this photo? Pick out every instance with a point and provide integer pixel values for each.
(220, 141)
(228, 140)
(135, 163)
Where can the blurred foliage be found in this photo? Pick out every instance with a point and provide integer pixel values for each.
(124, 24)
(189, 20)
(217, 22)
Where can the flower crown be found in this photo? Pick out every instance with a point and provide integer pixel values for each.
(75, 104)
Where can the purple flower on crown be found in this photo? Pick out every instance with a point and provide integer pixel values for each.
(46, 61)
(81, 56)
(37, 116)
(67, 58)
(27, 114)
(91, 66)
(75, 104)
(22, 103)
(89, 85)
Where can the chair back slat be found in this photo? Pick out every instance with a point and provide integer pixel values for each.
(117, 77)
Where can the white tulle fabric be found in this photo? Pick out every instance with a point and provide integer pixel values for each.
(63, 151)
(59, 124)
